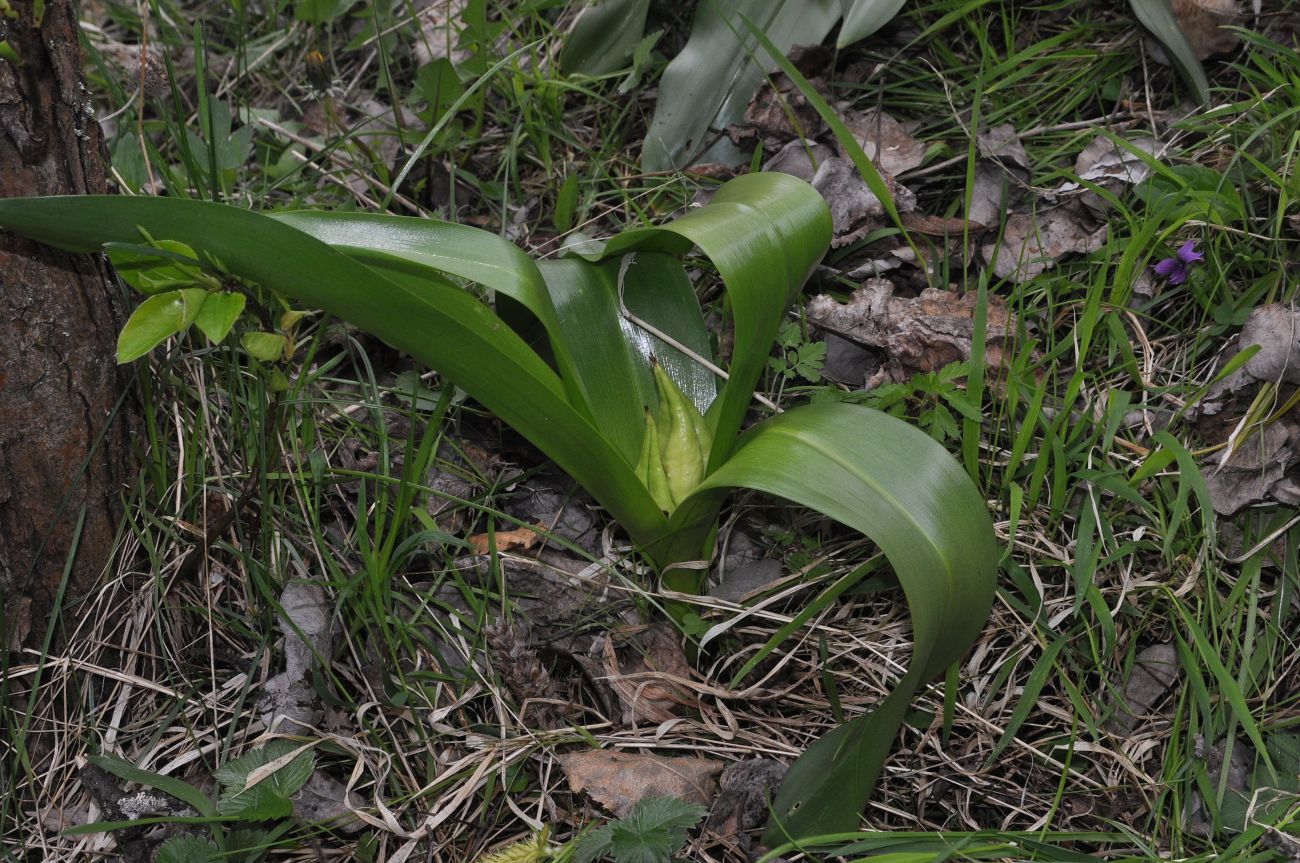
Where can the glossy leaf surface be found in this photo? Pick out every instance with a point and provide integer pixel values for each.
(893, 483)
(708, 84)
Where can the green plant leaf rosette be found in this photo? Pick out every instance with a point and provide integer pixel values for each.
(608, 317)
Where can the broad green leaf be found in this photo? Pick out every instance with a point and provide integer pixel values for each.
(611, 353)
(434, 321)
(157, 319)
(427, 246)
(708, 85)
(182, 791)
(219, 313)
(764, 233)
(889, 480)
(864, 17)
(604, 36)
(1158, 18)
(267, 347)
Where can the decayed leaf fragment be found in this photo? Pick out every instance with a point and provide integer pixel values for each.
(855, 209)
(617, 780)
(885, 141)
(1034, 242)
(1205, 23)
(1256, 469)
(641, 672)
(1155, 669)
(917, 335)
(1261, 462)
(307, 623)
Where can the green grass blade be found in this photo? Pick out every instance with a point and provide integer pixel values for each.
(405, 243)
(892, 482)
(182, 791)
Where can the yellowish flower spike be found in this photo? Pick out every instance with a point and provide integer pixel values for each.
(683, 452)
(534, 849)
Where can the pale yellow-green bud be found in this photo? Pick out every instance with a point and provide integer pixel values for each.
(535, 849)
(650, 467)
(683, 441)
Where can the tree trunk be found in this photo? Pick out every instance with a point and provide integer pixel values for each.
(65, 443)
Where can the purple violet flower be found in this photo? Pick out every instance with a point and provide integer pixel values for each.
(1176, 269)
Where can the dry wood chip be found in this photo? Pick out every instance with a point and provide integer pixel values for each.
(617, 780)
(519, 539)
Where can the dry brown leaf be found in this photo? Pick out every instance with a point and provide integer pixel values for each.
(1103, 159)
(917, 335)
(885, 141)
(519, 539)
(1035, 242)
(1002, 144)
(855, 210)
(640, 671)
(1204, 23)
(324, 798)
(1256, 470)
(1155, 669)
(938, 226)
(618, 780)
(440, 26)
(783, 113)
(799, 159)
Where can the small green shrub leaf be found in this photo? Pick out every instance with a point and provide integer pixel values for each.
(267, 347)
(164, 265)
(157, 319)
(218, 315)
(650, 833)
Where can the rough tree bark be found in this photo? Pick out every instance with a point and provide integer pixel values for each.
(59, 317)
